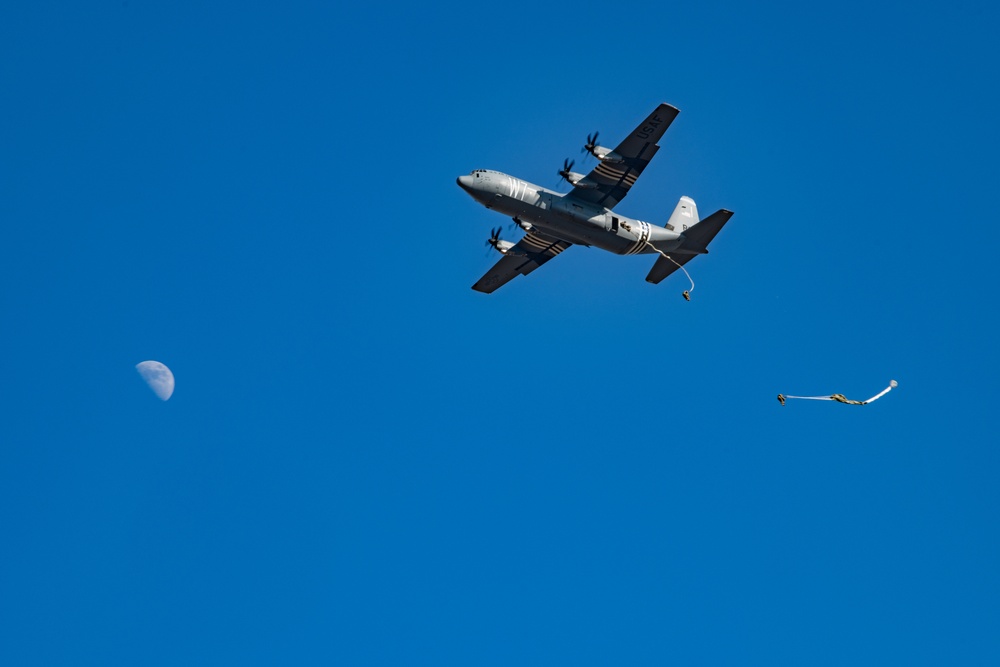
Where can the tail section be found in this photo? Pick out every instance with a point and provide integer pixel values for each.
(697, 236)
(684, 216)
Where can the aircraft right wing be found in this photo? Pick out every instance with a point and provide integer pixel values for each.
(614, 180)
(524, 257)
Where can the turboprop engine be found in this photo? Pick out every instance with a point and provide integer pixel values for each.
(573, 178)
(600, 152)
(501, 246)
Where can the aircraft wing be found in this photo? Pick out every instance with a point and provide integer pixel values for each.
(524, 257)
(614, 179)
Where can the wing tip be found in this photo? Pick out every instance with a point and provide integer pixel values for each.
(482, 289)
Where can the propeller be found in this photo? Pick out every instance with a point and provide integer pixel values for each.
(567, 167)
(591, 144)
(520, 224)
(494, 238)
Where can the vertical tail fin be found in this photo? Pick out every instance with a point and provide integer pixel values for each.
(684, 216)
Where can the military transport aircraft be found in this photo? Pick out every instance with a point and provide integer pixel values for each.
(554, 221)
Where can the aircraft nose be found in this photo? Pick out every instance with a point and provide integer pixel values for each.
(464, 182)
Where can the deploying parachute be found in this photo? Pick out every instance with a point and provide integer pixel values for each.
(840, 398)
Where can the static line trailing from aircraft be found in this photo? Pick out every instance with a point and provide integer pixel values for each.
(554, 222)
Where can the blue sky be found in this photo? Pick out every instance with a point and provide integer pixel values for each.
(366, 462)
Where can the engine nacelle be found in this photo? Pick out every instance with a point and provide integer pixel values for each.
(606, 155)
(503, 246)
(579, 180)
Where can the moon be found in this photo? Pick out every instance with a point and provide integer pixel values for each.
(158, 377)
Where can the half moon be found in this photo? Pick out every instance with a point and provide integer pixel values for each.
(158, 377)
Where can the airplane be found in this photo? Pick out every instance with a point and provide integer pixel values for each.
(583, 216)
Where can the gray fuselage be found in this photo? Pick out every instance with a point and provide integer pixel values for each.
(566, 217)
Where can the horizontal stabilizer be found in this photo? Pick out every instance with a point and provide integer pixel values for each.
(664, 267)
(696, 240)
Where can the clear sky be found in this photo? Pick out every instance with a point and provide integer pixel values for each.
(366, 462)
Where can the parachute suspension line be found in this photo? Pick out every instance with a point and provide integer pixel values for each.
(840, 398)
(686, 293)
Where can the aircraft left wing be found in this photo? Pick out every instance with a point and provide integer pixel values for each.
(524, 257)
(614, 179)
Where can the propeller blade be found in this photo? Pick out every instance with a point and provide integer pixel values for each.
(494, 239)
(567, 166)
(591, 143)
